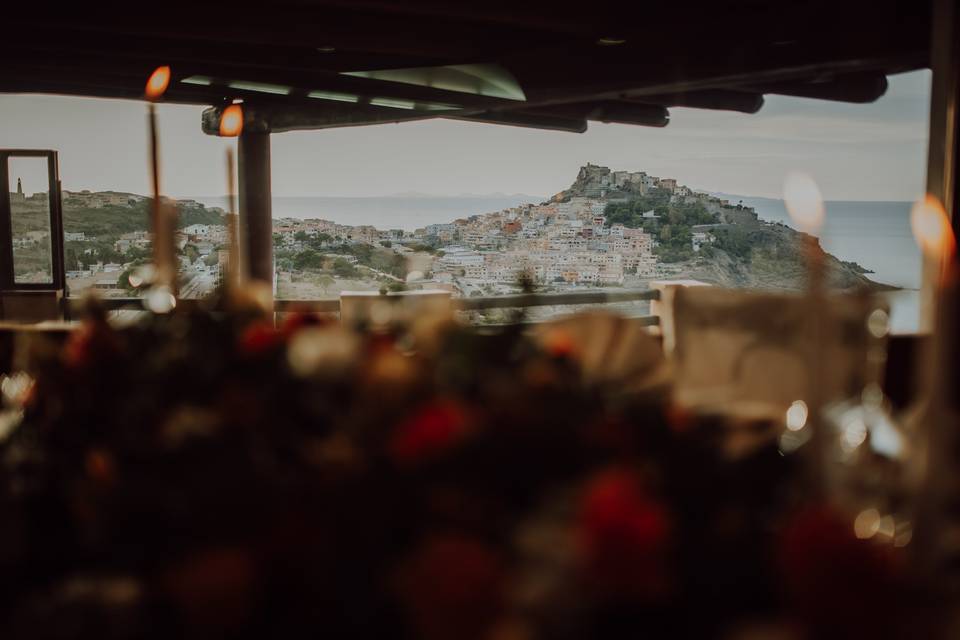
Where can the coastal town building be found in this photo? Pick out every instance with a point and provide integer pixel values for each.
(568, 241)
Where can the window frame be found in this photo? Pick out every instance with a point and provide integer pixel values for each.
(7, 275)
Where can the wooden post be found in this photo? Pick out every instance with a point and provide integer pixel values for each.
(256, 221)
(939, 467)
(942, 148)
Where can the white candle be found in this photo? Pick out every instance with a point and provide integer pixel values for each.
(805, 206)
(231, 126)
(164, 252)
(932, 429)
(934, 235)
(932, 231)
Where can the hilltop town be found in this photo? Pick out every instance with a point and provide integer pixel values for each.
(595, 234)
(608, 229)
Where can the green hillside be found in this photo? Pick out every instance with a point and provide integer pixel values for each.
(117, 220)
(102, 227)
(109, 221)
(672, 228)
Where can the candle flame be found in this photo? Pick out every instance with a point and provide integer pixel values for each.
(157, 83)
(804, 202)
(931, 228)
(231, 121)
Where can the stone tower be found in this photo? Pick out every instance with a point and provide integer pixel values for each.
(18, 196)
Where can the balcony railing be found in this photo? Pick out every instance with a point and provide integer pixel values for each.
(514, 301)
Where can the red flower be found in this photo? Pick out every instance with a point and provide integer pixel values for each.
(836, 582)
(212, 589)
(560, 344)
(259, 338)
(452, 588)
(100, 467)
(429, 432)
(623, 536)
(92, 340)
(681, 419)
(296, 320)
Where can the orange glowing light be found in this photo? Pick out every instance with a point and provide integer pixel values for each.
(157, 83)
(804, 202)
(231, 121)
(931, 228)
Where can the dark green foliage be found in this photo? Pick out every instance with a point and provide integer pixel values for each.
(737, 241)
(423, 246)
(113, 221)
(80, 254)
(378, 258)
(308, 259)
(343, 269)
(672, 228)
(191, 252)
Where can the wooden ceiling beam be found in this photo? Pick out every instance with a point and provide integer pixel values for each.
(120, 49)
(856, 88)
(528, 120)
(133, 73)
(691, 71)
(724, 60)
(279, 118)
(397, 36)
(714, 99)
(608, 111)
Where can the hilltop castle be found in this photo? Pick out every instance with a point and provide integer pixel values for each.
(18, 196)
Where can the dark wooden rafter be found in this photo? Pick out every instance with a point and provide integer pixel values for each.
(689, 53)
(717, 99)
(529, 120)
(609, 111)
(853, 87)
(281, 116)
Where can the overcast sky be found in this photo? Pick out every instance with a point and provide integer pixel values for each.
(856, 152)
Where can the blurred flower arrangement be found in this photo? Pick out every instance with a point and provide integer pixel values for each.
(210, 475)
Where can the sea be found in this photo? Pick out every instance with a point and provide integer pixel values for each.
(877, 236)
(874, 234)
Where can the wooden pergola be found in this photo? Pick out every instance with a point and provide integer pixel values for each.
(333, 63)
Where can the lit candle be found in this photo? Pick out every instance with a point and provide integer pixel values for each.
(933, 428)
(805, 206)
(231, 126)
(934, 235)
(932, 231)
(164, 252)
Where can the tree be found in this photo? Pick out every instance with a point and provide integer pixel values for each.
(343, 268)
(325, 282)
(308, 259)
(191, 252)
(301, 236)
(386, 243)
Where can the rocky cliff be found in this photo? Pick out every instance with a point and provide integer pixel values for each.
(741, 251)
